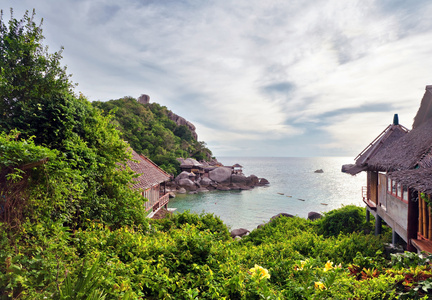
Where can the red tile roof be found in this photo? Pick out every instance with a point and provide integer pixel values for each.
(151, 174)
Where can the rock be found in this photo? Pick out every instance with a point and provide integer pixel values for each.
(182, 191)
(241, 179)
(182, 175)
(245, 188)
(182, 121)
(319, 171)
(223, 188)
(144, 99)
(263, 181)
(253, 180)
(189, 163)
(205, 182)
(221, 174)
(187, 184)
(260, 226)
(235, 187)
(237, 238)
(281, 215)
(193, 192)
(239, 232)
(202, 190)
(314, 216)
(171, 195)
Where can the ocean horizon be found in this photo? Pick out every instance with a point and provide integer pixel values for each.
(294, 188)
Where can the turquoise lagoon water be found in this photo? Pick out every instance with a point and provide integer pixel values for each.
(293, 177)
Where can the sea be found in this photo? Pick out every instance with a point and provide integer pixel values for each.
(294, 188)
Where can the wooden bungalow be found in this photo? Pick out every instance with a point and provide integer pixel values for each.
(399, 178)
(151, 181)
(191, 165)
(237, 169)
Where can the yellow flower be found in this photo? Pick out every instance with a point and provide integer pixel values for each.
(319, 285)
(302, 264)
(328, 266)
(263, 273)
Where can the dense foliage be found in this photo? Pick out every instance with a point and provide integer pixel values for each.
(192, 257)
(82, 179)
(150, 131)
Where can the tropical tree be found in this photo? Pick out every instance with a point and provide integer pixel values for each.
(85, 180)
(28, 72)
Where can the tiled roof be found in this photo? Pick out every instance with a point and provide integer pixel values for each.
(151, 174)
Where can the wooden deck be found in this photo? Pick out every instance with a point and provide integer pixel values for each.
(422, 245)
(370, 204)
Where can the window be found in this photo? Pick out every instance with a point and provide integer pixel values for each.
(405, 193)
(394, 188)
(397, 190)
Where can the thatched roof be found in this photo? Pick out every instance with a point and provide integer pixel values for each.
(407, 158)
(392, 133)
(419, 179)
(385, 139)
(407, 152)
(425, 110)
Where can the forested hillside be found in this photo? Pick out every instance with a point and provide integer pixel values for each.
(149, 131)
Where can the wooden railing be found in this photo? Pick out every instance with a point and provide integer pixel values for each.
(164, 200)
(155, 204)
(425, 219)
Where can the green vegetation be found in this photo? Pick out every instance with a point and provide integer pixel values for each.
(71, 228)
(79, 150)
(150, 131)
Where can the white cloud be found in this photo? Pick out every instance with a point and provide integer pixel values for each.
(252, 70)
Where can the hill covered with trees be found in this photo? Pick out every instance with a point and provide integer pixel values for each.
(150, 131)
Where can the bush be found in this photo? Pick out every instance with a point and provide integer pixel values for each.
(347, 219)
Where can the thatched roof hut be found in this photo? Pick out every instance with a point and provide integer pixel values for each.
(406, 153)
(380, 144)
(406, 156)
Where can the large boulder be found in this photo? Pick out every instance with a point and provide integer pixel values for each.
(182, 191)
(187, 184)
(182, 175)
(314, 216)
(281, 215)
(223, 188)
(239, 232)
(253, 180)
(221, 174)
(263, 181)
(205, 181)
(239, 179)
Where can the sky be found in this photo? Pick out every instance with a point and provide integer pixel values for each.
(257, 78)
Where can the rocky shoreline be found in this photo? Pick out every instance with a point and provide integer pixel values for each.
(205, 176)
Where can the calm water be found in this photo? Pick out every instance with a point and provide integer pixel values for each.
(291, 176)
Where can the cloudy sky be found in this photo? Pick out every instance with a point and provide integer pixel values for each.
(257, 78)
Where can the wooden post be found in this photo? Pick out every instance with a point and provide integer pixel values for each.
(424, 219)
(429, 222)
(413, 221)
(420, 224)
(378, 225)
(395, 237)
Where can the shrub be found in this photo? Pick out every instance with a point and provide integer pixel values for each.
(347, 219)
